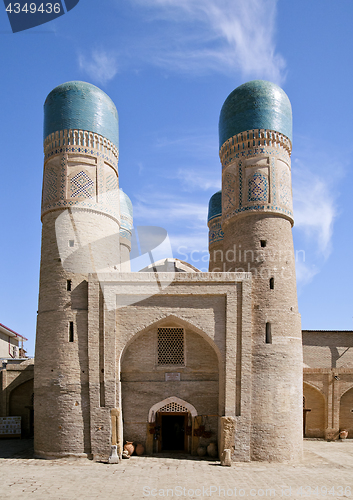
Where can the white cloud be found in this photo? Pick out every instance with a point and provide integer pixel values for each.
(219, 35)
(100, 66)
(194, 180)
(305, 273)
(162, 209)
(314, 209)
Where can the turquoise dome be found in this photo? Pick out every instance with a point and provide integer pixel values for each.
(215, 206)
(255, 105)
(82, 106)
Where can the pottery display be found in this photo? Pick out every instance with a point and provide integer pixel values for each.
(129, 447)
(201, 451)
(343, 434)
(212, 450)
(140, 449)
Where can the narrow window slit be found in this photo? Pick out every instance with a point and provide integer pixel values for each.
(69, 285)
(272, 283)
(263, 243)
(268, 333)
(71, 331)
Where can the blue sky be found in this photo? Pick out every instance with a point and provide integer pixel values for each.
(169, 65)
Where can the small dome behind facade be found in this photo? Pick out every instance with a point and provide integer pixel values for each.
(215, 206)
(255, 105)
(170, 266)
(81, 106)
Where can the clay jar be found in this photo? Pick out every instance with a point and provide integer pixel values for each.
(343, 434)
(201, 451)
(140, 449)
(212, 450)
(129, 447)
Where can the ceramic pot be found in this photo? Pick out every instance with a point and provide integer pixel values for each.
(129, 447)
(201, 451)
(140, 449)
(343, 434)
(212, 450)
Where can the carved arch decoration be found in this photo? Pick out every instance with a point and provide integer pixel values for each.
(175, 404)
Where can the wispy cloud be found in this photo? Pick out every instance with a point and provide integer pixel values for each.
(196, 180)
(163, 209)
(100, 66)
(220, 35)
(314, 208)
(185, 222)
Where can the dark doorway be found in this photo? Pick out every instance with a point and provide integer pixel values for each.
(173, 432)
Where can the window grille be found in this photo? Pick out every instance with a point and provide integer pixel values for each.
(171, 346)
(173, 407)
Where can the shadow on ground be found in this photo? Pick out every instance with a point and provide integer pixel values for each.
(16, 448)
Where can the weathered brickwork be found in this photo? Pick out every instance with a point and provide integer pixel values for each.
(212, 357)
(328, 383)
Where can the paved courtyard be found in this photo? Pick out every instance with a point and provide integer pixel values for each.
(326, 472)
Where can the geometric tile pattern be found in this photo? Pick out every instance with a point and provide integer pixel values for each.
(100, 180)
(258, 187)
(74, 149)
(112, 191)
(63, 179)
(81, 185)
(284, 189)
(50, 188)
(228, 188)
(64, 192)
(274, 183)
(236, 156)
(215, 234)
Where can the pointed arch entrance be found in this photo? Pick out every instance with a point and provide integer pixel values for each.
(172, 421)
(169, 379)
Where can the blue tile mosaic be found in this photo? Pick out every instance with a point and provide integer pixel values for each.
(50, 188)
(215, 234)
(81, 185)
(285, 189)
(258, 187)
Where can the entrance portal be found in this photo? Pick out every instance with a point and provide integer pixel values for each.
(173, 431)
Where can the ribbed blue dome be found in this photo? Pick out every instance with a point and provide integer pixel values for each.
(255, 105)
(215, 206)
(82, 106)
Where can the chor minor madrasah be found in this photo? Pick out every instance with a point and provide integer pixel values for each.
(172, 358)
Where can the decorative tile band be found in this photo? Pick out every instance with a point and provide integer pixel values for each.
(257, 180)
(83, 141)
(252, 142)
(215, 233)
(90, 184)
(123, 233)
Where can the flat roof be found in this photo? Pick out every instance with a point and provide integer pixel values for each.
(9, 332)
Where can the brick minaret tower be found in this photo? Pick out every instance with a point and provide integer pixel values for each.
(80, 235)
(255, 134)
